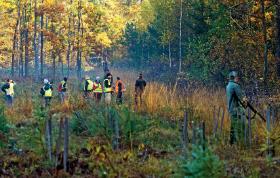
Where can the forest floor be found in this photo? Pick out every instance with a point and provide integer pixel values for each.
(117, 141)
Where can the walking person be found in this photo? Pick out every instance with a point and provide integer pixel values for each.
(119, 89)
(88, 87)
(8, 89)
(46, 92)
(97, 89)
(235, 99)
(62, 89)
(108, 89)
(140, 85)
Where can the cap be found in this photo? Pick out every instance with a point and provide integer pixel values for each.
(87, 77)
(46, 81)
(233, 74)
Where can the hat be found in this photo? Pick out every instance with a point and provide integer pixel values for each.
(87, 77)
(46, 81)
(97, 78)
(233, 74)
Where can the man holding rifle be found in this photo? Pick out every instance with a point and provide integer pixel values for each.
(236, 103)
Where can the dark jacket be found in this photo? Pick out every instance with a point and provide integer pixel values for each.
(140, 84)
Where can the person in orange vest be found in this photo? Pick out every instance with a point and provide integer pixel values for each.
(119, 89)
(97, 89)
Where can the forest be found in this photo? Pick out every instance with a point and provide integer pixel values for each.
(139, 88)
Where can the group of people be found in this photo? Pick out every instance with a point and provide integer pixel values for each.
(106, 87)
(91, 89)
(236, 100)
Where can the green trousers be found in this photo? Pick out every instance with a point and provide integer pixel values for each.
(238, 129)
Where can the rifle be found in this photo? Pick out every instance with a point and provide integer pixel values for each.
(250, 106)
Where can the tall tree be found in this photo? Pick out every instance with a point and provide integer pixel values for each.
(35, 44)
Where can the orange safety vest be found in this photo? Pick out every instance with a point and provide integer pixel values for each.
(117, 86)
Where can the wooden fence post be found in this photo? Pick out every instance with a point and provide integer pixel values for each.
(185, 129)
(49, 137)
(249, 128)
(194, 133)
(222, 121)
(66, 144)
(216, 120)
(116, 134)
(268, 128)
(58, 141)
(203, 136)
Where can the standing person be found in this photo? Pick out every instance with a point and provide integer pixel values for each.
(181, 84)
(62, 89)
(46, 92)
(235, 99)
(8, 89)
(108, 89)
(109, 75)
(140, 85)
(97, 89)
(119, 89)
(88, 87)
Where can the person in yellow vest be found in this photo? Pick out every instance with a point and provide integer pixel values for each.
(88, 87)
(119, 89)
(47, 92)
(108, 89)
(62, 89)
(97, 89)
(8, 89)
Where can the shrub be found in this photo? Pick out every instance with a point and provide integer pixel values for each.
(204, 163)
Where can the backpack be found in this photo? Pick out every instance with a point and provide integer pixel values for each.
(4, 87)
(42, 91)
(60, 87)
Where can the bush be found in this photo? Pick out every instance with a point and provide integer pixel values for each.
(4, 129)
(204, 163)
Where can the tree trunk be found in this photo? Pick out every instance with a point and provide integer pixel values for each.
(15, 39)
(53, 54)
(26, 40)
(79, 63)
(42, 44)
(169, 54)
(21, 53)
(35, 47)
(264, 29)
(277, 55)
(61, 63)
(180, 38)
(69, 43)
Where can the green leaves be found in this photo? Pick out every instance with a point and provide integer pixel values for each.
(203, 163)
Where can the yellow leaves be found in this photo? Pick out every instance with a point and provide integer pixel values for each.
(268, 16)
(103, 39)
(145, 16)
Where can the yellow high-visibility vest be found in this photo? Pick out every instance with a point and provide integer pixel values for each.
(10, 90)
(109, 89)
(48, 93)
(98, 88)
(90, 85)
